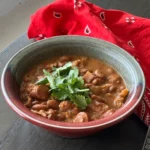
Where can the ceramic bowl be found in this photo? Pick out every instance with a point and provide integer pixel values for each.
(124, 63)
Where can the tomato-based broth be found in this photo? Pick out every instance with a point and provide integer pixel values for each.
(73, 89)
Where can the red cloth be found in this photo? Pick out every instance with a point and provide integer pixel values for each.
(69, 17)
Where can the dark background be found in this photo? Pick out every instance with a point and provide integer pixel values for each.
(136, 7)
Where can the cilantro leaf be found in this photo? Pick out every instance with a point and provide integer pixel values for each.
(74, 72)
(49, 78)
(42, 81)
(79, 100)
(59, 95)
(81, 90)
(66, 84)
(62, 71)
(88, 100)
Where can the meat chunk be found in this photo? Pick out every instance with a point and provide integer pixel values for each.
(40, 92)
(96, 89)
(88, 77)
(81, 117)
(65, 106)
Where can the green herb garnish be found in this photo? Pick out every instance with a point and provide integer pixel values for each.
(66, 84)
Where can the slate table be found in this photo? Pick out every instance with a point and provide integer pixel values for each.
(17, 134)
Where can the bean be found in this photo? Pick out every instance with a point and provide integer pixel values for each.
(48, 67)
(61, 117)
(112, 88)
(83, 71)
(113, 78)
(35, 102)
(54, 65)
(118, 81)
(81, 117)
(98, 73)
(121, 88)
(43, 103)
(110, 70)
(75, 111)
(60, 64)
(51, 114)
(76, 63)
(68, 114)
(27, 78)
(108, 94)
(52, 104)
(29, 88)
(95, 81)
(104, 90)
(29, 102)
(39, 107)
(65, 59)
(84, 59)
(40, 92)
(88, 85)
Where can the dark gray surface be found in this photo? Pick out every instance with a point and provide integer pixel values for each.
(136, 7)
(21, 135)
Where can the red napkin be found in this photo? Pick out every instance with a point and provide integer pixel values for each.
(77, 17)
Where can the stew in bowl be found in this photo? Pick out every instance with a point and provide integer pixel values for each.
(73, 89)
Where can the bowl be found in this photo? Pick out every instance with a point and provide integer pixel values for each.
(118, 58)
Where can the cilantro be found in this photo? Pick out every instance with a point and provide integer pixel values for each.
(79, 100)
(66, 84)
(49, 78)
(42, 81)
